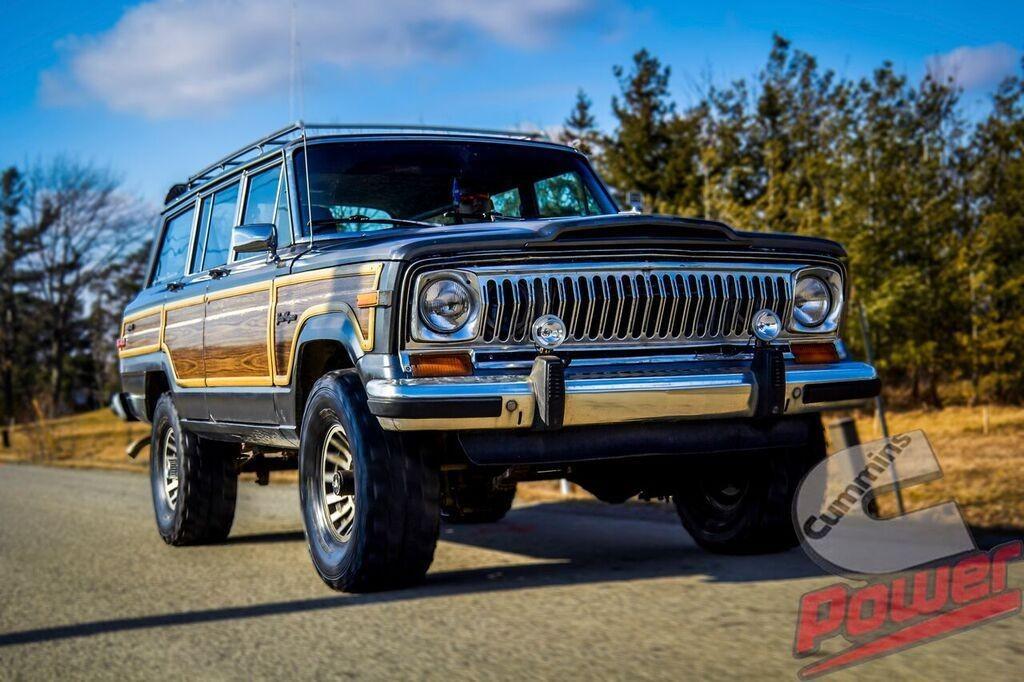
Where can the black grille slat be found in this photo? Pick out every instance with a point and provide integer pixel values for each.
(599, 294)
(647, 289)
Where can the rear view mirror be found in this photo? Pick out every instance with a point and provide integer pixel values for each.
(254, 238)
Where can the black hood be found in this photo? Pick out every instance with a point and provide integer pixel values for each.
(620, 230)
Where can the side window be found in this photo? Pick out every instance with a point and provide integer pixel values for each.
(564, 195)
(261, 200)
(170, 263)
(222, 220)
(205, 208)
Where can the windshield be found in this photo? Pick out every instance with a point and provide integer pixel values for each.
(383, 184)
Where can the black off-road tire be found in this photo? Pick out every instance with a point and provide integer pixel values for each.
(207, 482)
(741, 503)
(475, 500)
(394, 527)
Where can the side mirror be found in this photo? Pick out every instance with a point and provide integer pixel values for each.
(254, 238)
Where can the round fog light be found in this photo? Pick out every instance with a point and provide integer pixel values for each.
(766, 325)
(548, 332)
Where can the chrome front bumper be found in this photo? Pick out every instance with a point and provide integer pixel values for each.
(510, 401)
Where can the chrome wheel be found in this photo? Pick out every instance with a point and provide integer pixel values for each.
(337, 484)
(169, 467)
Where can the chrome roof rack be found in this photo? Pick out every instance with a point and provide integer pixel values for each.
(296, 131)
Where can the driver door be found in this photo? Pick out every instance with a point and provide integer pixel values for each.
(239, 375)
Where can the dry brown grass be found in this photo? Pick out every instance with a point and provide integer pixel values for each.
(92, 439)
(984, 472)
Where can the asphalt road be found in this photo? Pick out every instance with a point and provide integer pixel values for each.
(566, 591)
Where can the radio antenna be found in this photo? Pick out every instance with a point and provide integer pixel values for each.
(309, 193)
(296, 83)
(291, 61)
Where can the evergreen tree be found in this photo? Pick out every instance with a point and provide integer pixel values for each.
(636, 154)
(580, 128)
(996, 186)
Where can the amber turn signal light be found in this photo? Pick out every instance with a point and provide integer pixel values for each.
(814, 353)
(441, 365)
(368, 299)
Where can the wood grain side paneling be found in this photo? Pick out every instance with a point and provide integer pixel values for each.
(183, 337)
(296, 300)
(236, 338)
(141, 334)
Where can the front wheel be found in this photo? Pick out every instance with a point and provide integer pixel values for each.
(369, 499)
(741, 503)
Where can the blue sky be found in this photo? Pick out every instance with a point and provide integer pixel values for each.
(157, 89)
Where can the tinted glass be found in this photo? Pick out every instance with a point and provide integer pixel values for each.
(564, 195)
(261, 201)
(442, 182)
(222, 220)
(174, 248)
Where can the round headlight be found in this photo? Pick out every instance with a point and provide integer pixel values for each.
(811, 301)
(445, 306)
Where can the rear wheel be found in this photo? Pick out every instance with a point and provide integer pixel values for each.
(194, 481)
(369, 499)
(741, 504)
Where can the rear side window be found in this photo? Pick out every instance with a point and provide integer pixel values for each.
(170, 263)
(222, 220)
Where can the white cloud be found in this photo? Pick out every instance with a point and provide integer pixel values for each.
(974, 67)
(178, 57)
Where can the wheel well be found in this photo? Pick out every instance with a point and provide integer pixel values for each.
(156, 386)
(316, 358)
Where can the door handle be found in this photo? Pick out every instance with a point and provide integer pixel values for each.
(217, 273)
(175, 286)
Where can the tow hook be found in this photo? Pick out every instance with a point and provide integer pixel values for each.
(137, 446)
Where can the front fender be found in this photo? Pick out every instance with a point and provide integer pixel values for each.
(331, 326)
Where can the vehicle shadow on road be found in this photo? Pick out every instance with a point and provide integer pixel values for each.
(266, 538)
(586, 541)
(544, 545)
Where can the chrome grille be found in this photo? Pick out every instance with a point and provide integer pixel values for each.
(638, 306)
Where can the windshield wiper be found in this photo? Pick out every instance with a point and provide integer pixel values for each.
(483, 216)
(360, 218)
(494, 215)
